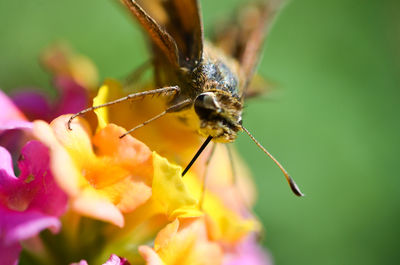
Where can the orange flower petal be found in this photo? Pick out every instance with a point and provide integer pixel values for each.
(115, 179)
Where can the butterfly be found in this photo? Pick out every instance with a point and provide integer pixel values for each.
(211, 78)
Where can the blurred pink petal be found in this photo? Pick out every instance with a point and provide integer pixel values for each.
(35, 189)
(82, 262)
(248, 252)
(73, 97)
(9, 253)
(48, 197)
(31, 202)
(12, 120)
(19, 226)
(34, 104)
(115, 260)
(9, 112)
(15, 125)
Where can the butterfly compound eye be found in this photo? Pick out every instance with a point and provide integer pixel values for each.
(206, 104)
(207, 100)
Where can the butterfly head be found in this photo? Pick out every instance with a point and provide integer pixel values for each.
(220, 115)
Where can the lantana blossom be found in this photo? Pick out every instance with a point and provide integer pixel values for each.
(128, 193)
(104, 184)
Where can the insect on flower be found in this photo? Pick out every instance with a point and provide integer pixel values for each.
(211, 79)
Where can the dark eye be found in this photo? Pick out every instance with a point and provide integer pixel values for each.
(207, 100)
(206, 104)
(240, 120)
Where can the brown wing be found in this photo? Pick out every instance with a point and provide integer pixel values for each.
(181, 20)
(243, 38)
(159, 37)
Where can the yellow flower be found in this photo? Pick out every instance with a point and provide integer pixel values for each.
(104, 176)
(183, 242)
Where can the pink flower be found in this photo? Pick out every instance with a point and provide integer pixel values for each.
(73, 76)
(248, 252)
(11, 117)
(113, 260)
(29, 203)
(12, 122)
(72, 98)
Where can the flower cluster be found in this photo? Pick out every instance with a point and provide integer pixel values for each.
(84, 195)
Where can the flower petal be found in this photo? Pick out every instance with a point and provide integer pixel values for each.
(6, 166)
(104, 184)
(183, 242)
(9, 112)
(91, 203)
(150, 256)
(101, 113)
(82, 262)
(32, 202)
(247, 252)
(115, 260)
(224, 224)
(37, 180)
(170, 191)
(9, 253)
(33, 104)
(19, 226)
(73, 97)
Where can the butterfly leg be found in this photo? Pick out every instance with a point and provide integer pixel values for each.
(172, 108)
(171, 90)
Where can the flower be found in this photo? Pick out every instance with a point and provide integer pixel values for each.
(11, 116)
(12, 124)
(123, 196)
(72, 98)
(247, 252)
(113, 260)
(183, 242)
(73, 76)
(30, 203)
(101, 184)
(61, 60)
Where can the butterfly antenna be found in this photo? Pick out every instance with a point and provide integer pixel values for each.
(201, 149)
(291, 182)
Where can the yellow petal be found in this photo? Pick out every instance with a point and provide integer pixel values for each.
(165, 234)
(183, 242)
(170, 191)
(224, 224)
(101, 113)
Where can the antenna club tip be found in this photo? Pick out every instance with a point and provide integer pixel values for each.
(295, 188)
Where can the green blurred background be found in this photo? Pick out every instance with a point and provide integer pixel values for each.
(334, 121)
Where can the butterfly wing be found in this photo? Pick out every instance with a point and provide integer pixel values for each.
(174, 27)
(243, 37)
(159, 37)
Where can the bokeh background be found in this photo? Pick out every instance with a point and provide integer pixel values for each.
(333, 121)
